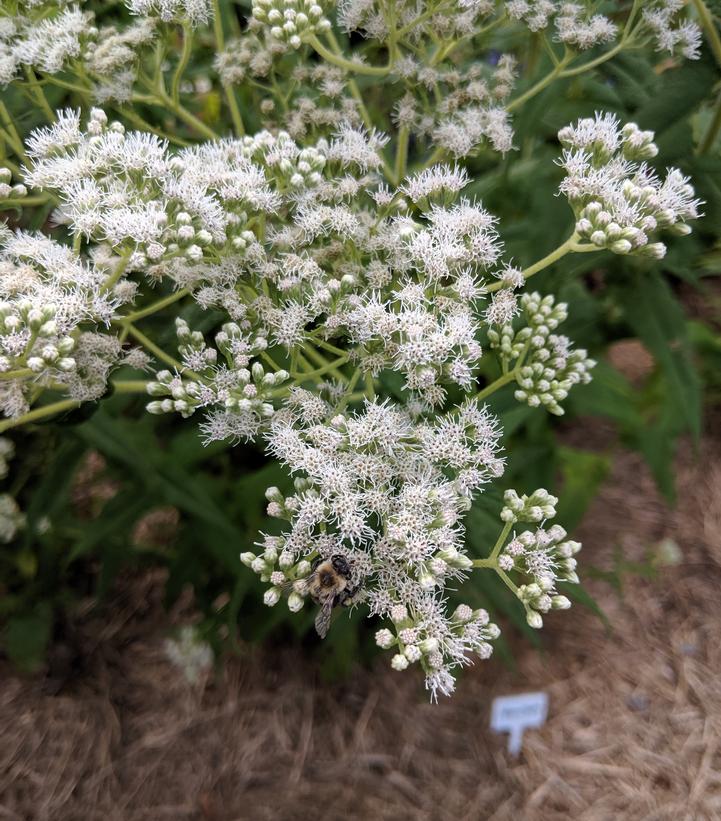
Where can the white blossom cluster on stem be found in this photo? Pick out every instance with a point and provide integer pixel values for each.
(620, 203)
(388, 494)
(337, 294)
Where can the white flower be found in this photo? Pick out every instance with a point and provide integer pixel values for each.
(197, 12)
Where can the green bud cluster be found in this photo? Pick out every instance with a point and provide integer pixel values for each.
(8, 191)
(541, 557)
(43, 348)
(291, 21)
(247, 392)
(538, 506)
(277, 565)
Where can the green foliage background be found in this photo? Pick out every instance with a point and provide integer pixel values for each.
(156, 462)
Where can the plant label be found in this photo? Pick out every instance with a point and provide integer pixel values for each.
(514, 714)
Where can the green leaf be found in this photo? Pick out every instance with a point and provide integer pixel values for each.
(51, 493)
(682, 89)
(582, 472)
(659, 322)
(26, 638)
(116, 519)
(609, 394)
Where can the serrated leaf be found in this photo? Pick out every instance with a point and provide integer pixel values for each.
(658, 320)
(608, 394)
(682, 90)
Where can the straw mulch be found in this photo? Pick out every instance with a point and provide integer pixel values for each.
(634, 730)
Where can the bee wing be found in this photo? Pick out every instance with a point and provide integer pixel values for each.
(322, 620)
(303, 584)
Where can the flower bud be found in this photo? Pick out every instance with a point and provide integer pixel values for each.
(534, 619)
(295, 602)
(385, 639)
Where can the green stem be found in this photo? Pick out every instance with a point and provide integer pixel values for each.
(12, 137)
(540, 85)
(161, 98)
(66, 85)
(130, 386)
(350, 396)
(713, 129)
(182, 64)
(18, 373)
(494, 386)
(329, 367)
(500, 541)
(401, 155)
(321, 343)
(235, 114)
(709, 28)
(144, 125)
(344, 63)
(155, 307)
(37, 92)
(266, 357)
(39, 413)
(21, 201)
(507, 581)
(573, 72)
(159, 353)
(323, 363)
(111, 281)
(218, 32)
(571, 244)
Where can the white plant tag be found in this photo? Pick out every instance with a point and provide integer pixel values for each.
(514, 714)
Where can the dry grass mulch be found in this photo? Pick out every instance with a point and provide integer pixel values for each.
(634, 729)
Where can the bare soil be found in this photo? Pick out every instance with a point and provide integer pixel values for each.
(634, 729)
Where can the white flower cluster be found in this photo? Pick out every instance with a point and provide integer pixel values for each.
(469, 111)
(46, 294)
(677, 36)
(426, 326)
(189, 652)
(541, 557)
(7, 190)
(388, 494)
(7, 451)
(409, 302)
(580, 26)
(327, 280)
(197, 12)
(575, 24)
(51, 37)
(619, 203)
(40, 40)
(290, 20)
(545, 364)
(12, 519)
(414, 17)
(112, 58)
(236, 396)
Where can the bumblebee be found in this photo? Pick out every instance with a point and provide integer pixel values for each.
(329, 585)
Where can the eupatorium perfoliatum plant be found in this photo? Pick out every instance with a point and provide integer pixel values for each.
(339, 246)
